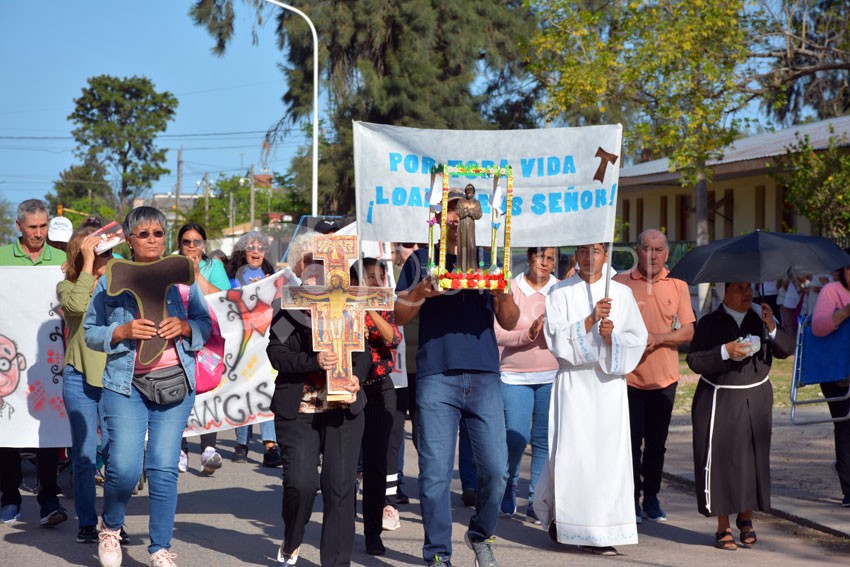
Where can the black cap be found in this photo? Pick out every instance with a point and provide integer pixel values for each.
(326, 226)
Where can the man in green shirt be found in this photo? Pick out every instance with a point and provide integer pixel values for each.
(31, 249)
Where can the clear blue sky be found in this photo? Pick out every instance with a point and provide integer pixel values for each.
(51, 47)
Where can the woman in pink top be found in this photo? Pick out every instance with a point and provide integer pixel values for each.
(528, 370)
(831, 310)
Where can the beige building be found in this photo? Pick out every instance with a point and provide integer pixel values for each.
(741, 198)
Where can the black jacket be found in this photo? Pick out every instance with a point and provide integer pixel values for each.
(290, 352)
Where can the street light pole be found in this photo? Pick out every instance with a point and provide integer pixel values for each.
(315, 195)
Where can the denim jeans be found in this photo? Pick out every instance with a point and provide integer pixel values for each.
(244, 433)
(442, 400)
(527, 419)
(465, 460)
(128, 418)
(82, 402)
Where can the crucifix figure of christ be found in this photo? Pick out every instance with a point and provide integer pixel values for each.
(337, 308)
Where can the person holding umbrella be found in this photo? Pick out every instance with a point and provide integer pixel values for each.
(732, 350)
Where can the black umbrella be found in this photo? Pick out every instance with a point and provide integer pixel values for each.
(758, 257)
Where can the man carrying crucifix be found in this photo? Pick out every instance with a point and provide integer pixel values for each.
(309, 421)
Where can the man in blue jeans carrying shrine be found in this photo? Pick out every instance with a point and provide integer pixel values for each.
(457, 377)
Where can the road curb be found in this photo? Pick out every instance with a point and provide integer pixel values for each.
(778, 512)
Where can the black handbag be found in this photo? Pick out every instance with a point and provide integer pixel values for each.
(165, 386)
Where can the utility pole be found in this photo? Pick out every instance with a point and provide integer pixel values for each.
(252, 196)
(91, 203)
(206, 200)
(179, 181)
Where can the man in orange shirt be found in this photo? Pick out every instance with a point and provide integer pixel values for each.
(665, 305)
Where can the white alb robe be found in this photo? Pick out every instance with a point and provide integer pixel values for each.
(587, 486)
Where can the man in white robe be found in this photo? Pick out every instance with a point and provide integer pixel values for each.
(586, 490)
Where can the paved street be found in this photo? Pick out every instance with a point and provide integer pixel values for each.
(233, 518)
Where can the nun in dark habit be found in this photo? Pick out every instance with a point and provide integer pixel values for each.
(732, 411)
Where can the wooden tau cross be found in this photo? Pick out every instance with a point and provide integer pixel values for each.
(149, 282)
(337, 308)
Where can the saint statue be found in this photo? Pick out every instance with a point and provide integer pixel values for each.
(468, 211)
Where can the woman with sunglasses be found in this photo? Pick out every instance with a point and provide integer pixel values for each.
(131, 411)
(82, 378)
(248, 264)
(211, 277)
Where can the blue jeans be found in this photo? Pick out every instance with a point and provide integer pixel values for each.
(128, 418)
(244, 433)
(465, 460)
(527, 419)
(442, 400)
(82, 402)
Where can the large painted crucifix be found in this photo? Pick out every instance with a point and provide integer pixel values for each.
(337, 308)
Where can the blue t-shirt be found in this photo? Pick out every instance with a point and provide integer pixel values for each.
(245, 274)
(456, 329)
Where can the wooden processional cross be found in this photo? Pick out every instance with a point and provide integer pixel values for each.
(337, 308)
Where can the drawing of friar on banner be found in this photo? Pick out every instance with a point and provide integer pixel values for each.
(32, 411)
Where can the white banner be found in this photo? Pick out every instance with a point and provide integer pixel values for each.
(246, 389)
(565, 180)
(32, 349)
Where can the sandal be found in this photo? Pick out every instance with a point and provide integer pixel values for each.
(725, 541)
(748, 534)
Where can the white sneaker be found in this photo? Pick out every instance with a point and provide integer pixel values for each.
(283, 559)
(109, 547)
(183, 463)
(210, 460)
(163, 558)
(391, 521)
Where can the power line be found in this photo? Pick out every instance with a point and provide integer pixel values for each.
(199, 135)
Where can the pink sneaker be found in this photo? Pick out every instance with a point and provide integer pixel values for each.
(109, 547)
(163, 558)
(391, 521)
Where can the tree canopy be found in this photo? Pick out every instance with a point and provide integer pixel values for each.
(418, 63)
(7, 224)
(281, 197)
(689, 67)
(83, 190)
(817, 183)
(117, 121)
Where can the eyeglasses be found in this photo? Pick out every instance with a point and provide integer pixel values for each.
(6, 363)
(257, 247)
(194, 242)
(145, 234)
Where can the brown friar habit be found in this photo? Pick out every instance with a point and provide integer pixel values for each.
(740, 445)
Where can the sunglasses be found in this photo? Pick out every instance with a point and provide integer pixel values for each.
(257, 247)
(145, 234)
(92, 221)
(192, 242)
(107, 254)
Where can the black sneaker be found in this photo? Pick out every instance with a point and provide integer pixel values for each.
(846, 502)
(240, 454)
(468, 497)
(54, 518)
(125, 539)
(272, 458)
(87, 534)
(652, 508)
